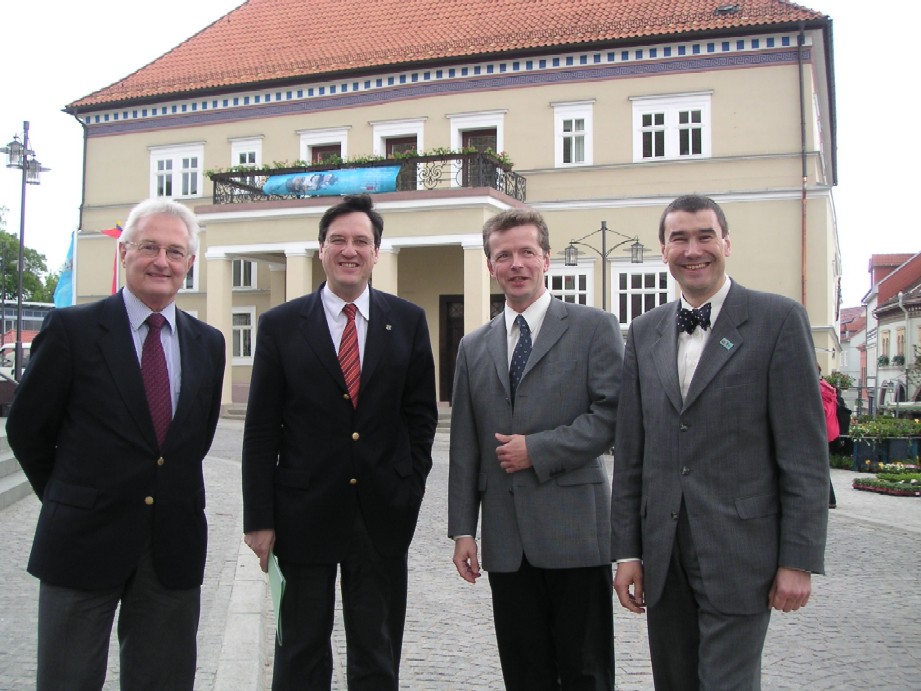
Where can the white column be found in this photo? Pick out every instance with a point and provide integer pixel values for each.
(277, 278)
(476, 286)
(218, 311)
(386, 274)
(299, 279)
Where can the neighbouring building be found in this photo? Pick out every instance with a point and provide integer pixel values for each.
(898, 316)
(595, 112)
(853, 360)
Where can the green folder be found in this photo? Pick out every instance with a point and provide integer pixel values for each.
(277, 586)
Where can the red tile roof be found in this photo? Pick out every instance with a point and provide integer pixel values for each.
(277, 40)
(905, 278)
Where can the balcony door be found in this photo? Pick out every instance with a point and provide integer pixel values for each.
(481, 140)
(406, 180)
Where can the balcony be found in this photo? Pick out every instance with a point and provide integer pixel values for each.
(418, 173)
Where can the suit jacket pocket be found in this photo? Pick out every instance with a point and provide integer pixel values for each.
(71, 495)
(590, 474)
(299, 479)
(757, 506)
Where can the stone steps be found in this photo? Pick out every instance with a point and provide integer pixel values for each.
(13, 483)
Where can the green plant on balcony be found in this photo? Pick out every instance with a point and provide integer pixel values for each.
(898, 360)
(883, 361)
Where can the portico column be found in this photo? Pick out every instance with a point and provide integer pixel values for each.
(277, 278)
(386, 275)
(218, 307)
(476, 286)
(299, 278)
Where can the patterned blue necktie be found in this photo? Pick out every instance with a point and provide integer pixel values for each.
(521, 354)
(688, 320)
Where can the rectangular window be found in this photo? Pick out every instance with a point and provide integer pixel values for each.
(570, 283)
(243, 338)
(639, 290)
(318, 146)
(246, 152)
(176, 171)
(573, 133)
(671, 127)
(884, 343)
(244, 274)
(900, 341)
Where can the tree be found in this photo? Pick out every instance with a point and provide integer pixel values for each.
(34, 280)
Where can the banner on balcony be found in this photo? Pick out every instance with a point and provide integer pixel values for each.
(332, 183)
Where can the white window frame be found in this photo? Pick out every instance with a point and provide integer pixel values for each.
(237, 331)
(323, 137)
(662, 296)
(584, 267)
(572, 111)
(190, 282)
(392, 129)
(243, 264)
(671, 106)
(481, 120)
(250, 147)
(187, 181)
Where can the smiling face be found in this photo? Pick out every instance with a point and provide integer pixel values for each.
(695, 250)
(518, 264)
(348, 255)
(156, 280)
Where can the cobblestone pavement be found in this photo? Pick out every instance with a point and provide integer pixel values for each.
(861, 629)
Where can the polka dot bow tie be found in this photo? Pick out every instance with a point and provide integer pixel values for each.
(688, 320)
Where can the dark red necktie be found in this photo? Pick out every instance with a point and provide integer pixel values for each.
(348, 354)
(156, 377)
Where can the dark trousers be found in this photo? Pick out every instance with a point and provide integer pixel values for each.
(555, 628)
(156, 633)
(694, 646)
(373, 612)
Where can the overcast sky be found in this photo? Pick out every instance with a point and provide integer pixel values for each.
(63, 51)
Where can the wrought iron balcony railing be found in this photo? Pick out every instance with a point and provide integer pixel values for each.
(422, 172)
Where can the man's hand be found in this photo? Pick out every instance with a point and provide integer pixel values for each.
(791, 589)
(261, 542)
(465, 560)
(630, 573)
(512, 452)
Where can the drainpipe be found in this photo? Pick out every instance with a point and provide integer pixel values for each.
(83, 173)
(909, 353)
(802, 124)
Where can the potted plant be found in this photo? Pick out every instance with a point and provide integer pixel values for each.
(883, 361)
(898, 360)
(880, 439)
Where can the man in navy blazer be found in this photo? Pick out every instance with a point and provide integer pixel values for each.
(720, 487)
(122, 519)
(333, 478)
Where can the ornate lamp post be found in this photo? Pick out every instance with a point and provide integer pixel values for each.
(571, 254)
(19, 155)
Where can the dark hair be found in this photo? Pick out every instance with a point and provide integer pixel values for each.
(692, 203)
(350, 204)
(516, 217)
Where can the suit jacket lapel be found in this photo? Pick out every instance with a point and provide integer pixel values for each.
(724, 341)
(194, 362)
(665, 354)
(315, 330)
(551, 331)
(377, 341)
(497, 347)
(117, 346)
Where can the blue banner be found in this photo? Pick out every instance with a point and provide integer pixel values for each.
(333, 183)
(64, 293)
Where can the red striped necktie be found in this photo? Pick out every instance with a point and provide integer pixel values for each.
(156, 377)
(348, 354)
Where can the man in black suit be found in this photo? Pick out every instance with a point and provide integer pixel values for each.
(118, 469)
(334, 465)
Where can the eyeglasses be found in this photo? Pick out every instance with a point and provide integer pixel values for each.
(151, 250)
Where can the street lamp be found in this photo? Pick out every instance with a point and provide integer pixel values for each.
(571, 254)
(19, 155)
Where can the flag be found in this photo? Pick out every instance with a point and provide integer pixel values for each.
(116, 233)
(64, 293)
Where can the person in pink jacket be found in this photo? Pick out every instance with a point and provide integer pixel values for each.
(830, 404)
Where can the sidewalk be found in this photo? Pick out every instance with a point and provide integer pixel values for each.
(861, 629)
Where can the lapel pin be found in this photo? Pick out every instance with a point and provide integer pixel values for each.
(726, 343)
(388, 327)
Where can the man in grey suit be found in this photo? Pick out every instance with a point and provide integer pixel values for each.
(720, 482)
(534, 407)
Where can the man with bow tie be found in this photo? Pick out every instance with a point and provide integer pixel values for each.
(720, 484)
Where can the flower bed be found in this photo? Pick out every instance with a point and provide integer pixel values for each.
(899, 481)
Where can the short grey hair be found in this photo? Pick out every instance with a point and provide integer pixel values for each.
(157, 207)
